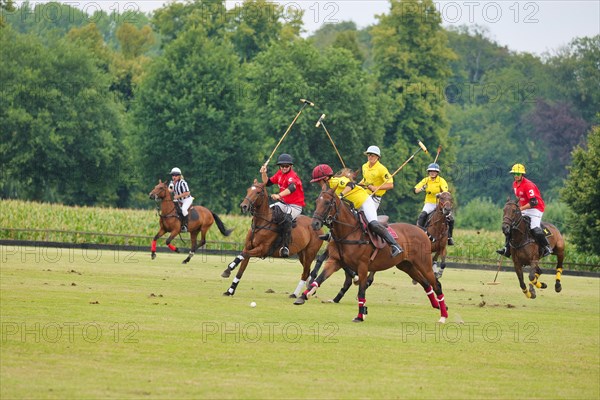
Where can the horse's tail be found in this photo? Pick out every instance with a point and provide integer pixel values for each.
(221, 225)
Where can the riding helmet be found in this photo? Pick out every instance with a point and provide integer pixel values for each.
(433, 167)
(285, 159)
(175, 171)
(373, 150)
(518, 169)
(320, 172)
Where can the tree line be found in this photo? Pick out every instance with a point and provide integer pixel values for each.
(95, 108)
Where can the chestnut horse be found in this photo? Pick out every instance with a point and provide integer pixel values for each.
(350, 246)
(200, 220)
(437, 227)
(525, 250)
(263, 237)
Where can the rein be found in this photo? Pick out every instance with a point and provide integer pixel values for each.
(515, 225)
(328, 220)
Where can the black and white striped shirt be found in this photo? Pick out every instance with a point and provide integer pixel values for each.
(180, 187)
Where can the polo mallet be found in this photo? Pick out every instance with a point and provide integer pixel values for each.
(438, 153)
(320, 123)
(496, 277)
(421, 147)
(305, 103)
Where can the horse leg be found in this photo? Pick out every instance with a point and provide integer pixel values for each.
(560, 255)
(534, 275)
(330, 267)
(442, 264)
(203, 236)
(344, 289)
(170, 239)
(318, 263)
(153, 244)
(194, 237)
(232, 265)
(519, 272)
(305, 261)
(238, 277)
(362, 290)
(440, 300)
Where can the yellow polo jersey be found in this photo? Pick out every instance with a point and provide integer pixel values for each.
(434, 186)
(356, 196)
(376, 175)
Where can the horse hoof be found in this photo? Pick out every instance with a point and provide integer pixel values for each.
(544, 286)
(442, 320)
(153, 256)
(227, 294)
(414, 282)
(293, 296)
(226, 273)
(558, 287)
(358, 319)
(185, 261)
(299, 301)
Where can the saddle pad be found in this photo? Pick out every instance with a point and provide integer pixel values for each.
(547, 231)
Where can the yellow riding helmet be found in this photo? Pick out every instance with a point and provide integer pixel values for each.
(518, 169)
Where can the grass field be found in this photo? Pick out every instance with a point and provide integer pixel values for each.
(84, 324)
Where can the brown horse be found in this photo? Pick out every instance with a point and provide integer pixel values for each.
(350, 246)
(263, 237)
(437, 227)
(525, 251)
(200, 220)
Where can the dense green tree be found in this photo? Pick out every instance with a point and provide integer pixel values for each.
(412, 64)
(581, 194)
(61, 130)
(6, 6)
(188, 111)
(335, 81)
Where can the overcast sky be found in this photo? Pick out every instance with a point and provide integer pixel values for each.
(531, 26)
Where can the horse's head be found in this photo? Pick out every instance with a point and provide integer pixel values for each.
(511, 216)
(256, 195)
(445, 202)
(160, 191)
(326, 208)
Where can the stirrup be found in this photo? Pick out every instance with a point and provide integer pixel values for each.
(503, 252)
(450, 241)
(284, 252)
(396, 250)
(546, 251)
(184, 229)
(325, 237)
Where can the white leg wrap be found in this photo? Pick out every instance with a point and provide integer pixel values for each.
(299, 288)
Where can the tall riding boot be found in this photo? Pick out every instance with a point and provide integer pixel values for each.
(422, 220)
(450, 230)
(184, 223)
(286, 233)
(505, 251)
(542, 241)
(379, 229)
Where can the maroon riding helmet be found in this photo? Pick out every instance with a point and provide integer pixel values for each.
(321, 172)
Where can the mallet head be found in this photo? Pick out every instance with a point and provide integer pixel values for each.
(310, 103)
(319, 121)
(422, 146)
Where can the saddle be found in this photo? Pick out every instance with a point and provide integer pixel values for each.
(544, 227)
(377, 241)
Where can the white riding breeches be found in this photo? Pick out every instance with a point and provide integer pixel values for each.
(535, 215)
(290, 209)
(185, 204)
(370, 209)
(429, 207)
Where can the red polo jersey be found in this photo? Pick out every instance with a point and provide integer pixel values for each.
(525, 191)
(284, 180)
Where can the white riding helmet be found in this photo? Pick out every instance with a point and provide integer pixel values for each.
(175, 171)
(373, 150)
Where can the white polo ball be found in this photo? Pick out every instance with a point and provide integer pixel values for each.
(253, 304)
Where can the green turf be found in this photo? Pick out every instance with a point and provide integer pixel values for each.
(89, 324)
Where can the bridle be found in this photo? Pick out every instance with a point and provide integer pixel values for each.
(159, 200)
(328, 217)
(512, 223)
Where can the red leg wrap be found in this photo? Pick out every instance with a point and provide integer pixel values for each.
(443, 309)
(432, 299)
(153, 246)
(174, 248)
